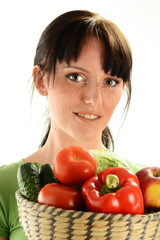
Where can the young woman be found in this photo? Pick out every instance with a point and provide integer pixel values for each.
(82, 65)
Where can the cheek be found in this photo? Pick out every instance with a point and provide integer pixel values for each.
(60, 102)
(56, 103)
(112, 100)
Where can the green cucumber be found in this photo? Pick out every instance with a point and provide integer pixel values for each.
(46, 174)
(28, 181)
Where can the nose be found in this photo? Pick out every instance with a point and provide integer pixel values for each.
(92, 94)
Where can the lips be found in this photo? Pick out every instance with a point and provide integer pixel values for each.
(87, 116)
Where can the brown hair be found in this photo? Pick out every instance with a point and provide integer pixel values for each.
(64, 38)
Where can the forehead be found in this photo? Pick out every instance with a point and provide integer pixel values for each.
(90, 59)
(91, 55)
(92, 46)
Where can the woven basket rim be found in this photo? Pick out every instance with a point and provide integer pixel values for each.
(45, 222)
(21, 198)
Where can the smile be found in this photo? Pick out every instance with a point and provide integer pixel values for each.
(87, 116)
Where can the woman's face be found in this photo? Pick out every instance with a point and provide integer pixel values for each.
(83, 97)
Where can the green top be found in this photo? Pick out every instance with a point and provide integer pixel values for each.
(9, 221)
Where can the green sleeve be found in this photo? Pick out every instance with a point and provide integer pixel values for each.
(9, 220)
(4, 231)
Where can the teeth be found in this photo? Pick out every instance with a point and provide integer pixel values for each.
(88, 116)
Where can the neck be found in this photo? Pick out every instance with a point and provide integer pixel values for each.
(58, 140)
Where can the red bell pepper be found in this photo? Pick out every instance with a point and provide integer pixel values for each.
(114, 190)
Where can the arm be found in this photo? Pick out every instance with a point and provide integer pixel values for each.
(3, 238)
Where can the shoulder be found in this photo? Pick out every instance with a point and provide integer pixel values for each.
(8, 184)
(8, 174)
(8, 205)
(12, 167)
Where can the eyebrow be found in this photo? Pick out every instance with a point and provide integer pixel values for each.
(75, 67)
(85, 70)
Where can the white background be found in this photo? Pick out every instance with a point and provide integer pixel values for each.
(21, 125)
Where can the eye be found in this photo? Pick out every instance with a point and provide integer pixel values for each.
(111, 82)
(75, 77)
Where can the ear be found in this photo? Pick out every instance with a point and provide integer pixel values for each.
(40, 80)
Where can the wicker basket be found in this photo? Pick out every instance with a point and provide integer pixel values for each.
(42, 222)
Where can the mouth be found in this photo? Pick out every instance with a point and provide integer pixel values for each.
(87, 116)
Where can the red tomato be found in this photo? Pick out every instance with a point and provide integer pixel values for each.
(61, 196)
(73, 165)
